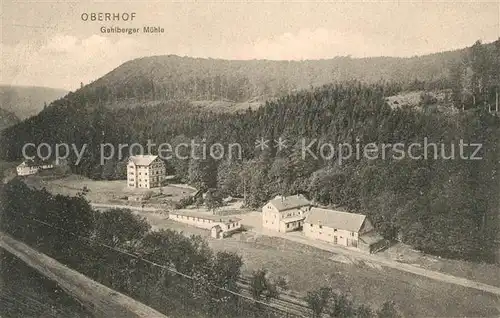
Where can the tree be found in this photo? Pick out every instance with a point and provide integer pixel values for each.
(318, 300)
(261, 287)
(213, 200)
(388, 310)
(118, 226)
(340, 306)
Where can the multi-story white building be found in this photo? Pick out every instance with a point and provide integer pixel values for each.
(145, 171)
(285, 214)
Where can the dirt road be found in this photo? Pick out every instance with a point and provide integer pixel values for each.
(99, 299)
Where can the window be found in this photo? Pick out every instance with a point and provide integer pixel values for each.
(131, 172)
(288, 225)
(312, 225)
(145, 173)
(334, 230)
(321, 226)
(131, 184)
(139, 173)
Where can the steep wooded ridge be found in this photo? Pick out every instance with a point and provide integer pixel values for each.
(27, 101)
(448, 207)
(174, 77)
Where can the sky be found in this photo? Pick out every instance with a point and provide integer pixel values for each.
(46, 43)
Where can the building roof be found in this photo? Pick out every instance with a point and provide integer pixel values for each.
(282, 203)
(32, 163)
(142, 160)
(215, 218)
(336, 219)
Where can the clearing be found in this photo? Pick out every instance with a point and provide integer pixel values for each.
(111, 192)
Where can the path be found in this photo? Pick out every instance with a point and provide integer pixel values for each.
(99, 299)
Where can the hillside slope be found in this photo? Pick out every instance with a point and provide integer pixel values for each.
(234, 82)
(27, 101)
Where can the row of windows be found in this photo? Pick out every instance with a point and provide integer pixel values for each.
(194, 218)
(234, 225)
(145, 173)
(203, 220)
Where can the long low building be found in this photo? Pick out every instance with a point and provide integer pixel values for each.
(220, 226)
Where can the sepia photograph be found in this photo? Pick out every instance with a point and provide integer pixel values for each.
(249, 158)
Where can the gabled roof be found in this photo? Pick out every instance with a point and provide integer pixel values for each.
(282, 203)
(335, 219)
(142, 160)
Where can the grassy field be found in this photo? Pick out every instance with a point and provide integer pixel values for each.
(105, 191)
(481, 272)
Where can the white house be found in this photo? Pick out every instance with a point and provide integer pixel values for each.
(342, 228)
(285, 214)
(145, 171)
(27, 168)
(220, 226)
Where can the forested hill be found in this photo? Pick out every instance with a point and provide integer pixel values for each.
(174, 77)
(27, 101)
(448, 207)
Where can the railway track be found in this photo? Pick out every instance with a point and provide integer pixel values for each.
(290, 305)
